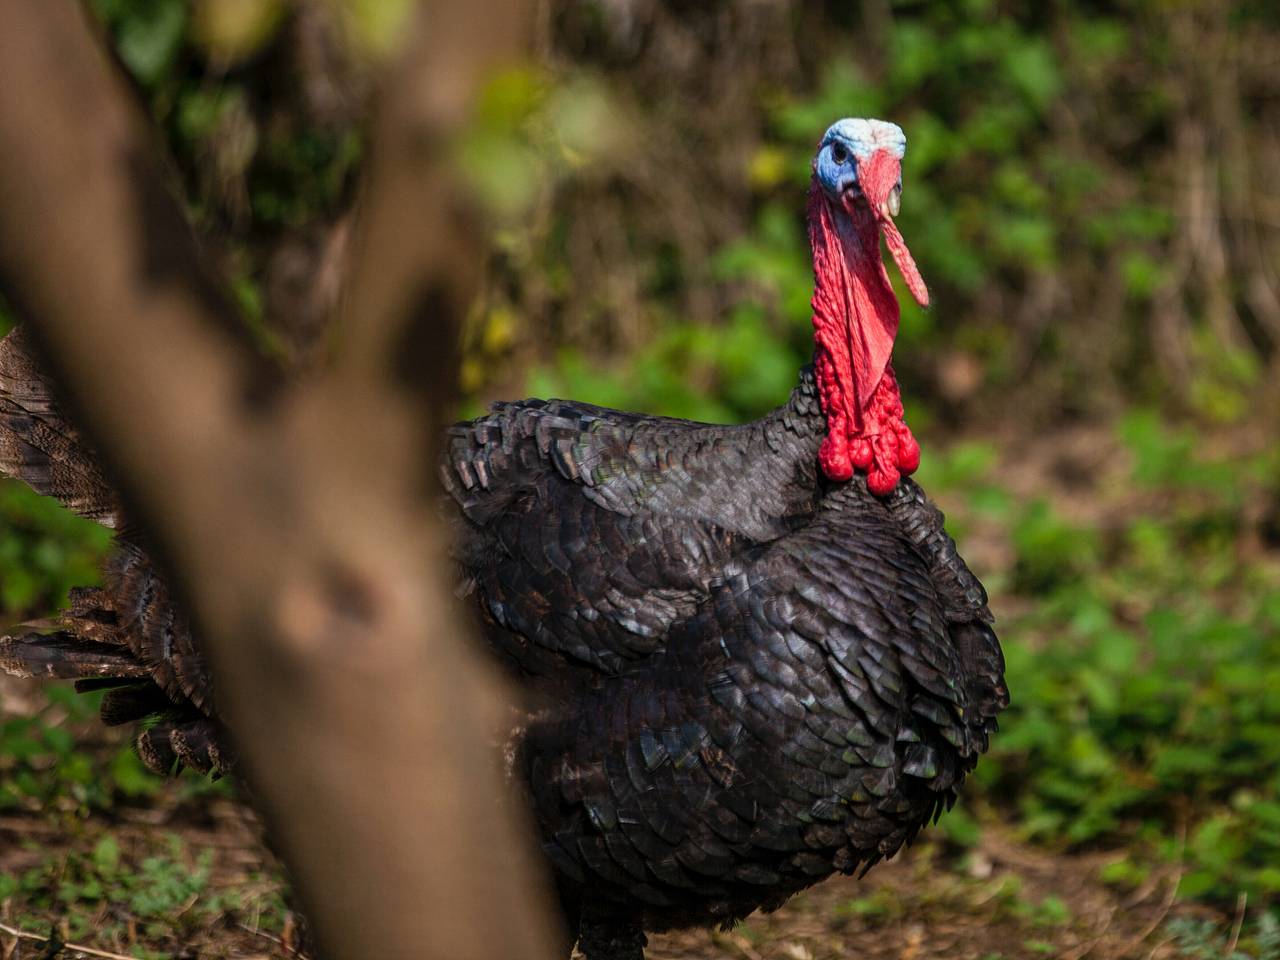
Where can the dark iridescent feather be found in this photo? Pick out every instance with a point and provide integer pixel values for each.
(745, 678)
(815, 677)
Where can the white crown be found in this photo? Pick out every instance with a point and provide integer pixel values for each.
(865, 137)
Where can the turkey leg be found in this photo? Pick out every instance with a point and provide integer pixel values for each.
(611, 939)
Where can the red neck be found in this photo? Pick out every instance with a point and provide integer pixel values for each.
(855, 321)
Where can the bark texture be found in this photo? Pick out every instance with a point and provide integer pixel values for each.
(294, 518)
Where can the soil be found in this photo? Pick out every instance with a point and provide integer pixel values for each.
(999, 899)
(1002, 899)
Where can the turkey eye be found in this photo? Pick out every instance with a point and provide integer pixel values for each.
(839, 153)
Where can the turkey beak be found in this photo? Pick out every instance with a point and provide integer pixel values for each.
(881, 178)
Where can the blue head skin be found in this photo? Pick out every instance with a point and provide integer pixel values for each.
(848, 143)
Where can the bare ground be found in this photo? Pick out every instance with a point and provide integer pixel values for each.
(1001, 899)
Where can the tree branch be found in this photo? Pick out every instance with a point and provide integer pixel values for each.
(293, 518)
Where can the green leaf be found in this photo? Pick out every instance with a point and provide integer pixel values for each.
(1033, 69)
(106, 855)
(148, 43)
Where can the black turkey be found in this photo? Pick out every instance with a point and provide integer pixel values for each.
(753, 655)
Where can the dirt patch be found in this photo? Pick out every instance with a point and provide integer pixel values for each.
(183, 881)
(1002, 899)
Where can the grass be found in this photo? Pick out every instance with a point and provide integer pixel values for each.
(144, 892)
(162, 893)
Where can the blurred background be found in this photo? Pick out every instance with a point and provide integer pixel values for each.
(1092, 192)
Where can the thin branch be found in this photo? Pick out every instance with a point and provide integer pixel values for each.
(1170, 895)
(271, 938)
(1242, 902)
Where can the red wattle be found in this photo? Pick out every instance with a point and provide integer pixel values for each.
(860, 453)
(908, 449)
(833, 457)
(855, 321)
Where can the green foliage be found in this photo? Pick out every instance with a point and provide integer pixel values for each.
(879, 908)
(990, 84)
(1045, 198)
(1144, 676)
(529, 130)
(44, 551)
(260, 160)
(44, 763)
(53, 759)
(160, 893)
(149, 33)
(730, 374)
(1200, 939)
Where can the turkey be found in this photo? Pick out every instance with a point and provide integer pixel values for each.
(752, 654)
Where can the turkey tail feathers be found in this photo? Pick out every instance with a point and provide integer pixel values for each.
(83, 643)
(175, 733)
(129, 640)
(65, 656)
(37, 444)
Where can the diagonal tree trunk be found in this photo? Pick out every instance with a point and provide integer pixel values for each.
(295, 519)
